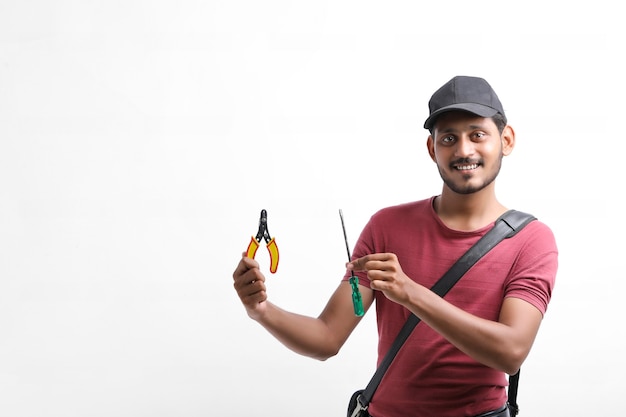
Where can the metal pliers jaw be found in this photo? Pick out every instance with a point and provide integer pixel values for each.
(263, 234)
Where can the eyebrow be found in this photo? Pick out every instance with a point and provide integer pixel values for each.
(471, 127)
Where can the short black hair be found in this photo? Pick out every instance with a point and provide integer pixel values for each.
(499, 119)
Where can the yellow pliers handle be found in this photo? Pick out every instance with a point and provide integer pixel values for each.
(272, 248)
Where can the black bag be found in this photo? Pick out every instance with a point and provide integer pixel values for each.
(505, 227)
(352, 406)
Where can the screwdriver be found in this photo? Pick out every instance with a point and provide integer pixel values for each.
(357, 301)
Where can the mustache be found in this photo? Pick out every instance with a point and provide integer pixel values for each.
(465, 161)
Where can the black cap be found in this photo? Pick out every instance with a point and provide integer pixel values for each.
(471, 94)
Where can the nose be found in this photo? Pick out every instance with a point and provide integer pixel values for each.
(464, 147)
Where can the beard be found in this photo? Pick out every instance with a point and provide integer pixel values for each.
(467, 187)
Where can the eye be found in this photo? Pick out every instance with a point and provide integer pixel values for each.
(447, 140)
(479, 135)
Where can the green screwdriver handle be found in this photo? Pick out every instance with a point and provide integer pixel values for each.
(357, 301)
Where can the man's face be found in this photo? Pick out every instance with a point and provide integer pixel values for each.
(468, 151)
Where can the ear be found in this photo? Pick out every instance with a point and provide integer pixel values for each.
(430, 144)
(508, 140)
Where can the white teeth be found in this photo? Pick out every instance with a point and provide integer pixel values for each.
(466, 167)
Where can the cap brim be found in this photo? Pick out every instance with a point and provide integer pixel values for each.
(477, 109)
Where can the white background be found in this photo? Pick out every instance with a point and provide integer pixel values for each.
(139, 141)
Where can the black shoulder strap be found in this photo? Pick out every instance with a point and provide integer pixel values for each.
(505, 227)
(513, 380)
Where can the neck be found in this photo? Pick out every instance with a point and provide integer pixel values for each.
(468, 211)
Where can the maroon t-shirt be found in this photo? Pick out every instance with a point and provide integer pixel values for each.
(429, 376)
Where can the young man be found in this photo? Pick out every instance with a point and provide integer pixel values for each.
(455, 362)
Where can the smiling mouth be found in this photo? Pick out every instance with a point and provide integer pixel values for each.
(468, 167)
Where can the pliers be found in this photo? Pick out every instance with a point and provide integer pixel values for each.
(270, 243)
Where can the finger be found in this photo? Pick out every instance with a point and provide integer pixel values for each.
(248, 276)
(379, 261)
(363, 263)
(250, 287)
(376, 285)
(244, 265)
(253, 294)
(358, 264)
